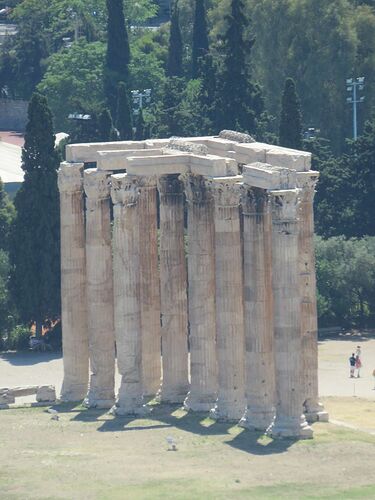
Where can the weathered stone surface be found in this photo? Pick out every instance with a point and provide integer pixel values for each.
(258, 303)
(118, 159)
(99, 290)
(201, 278)
(73, 283)
(230, 405)
(87, 153)
(187, 147)
(173, 284)
(150, 287)
(289, 421)
(232, 135)
(46, 394)
(126, 272)
(314, 410)
(264, 176)
(289, 158)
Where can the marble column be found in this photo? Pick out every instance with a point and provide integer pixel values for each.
(230, 404)
(99, 290)
(258, 305)
(126, 280)
(73, 283)
(173, 284)
(201, 277)
(289, 421)
(150, 287)
(309, 317)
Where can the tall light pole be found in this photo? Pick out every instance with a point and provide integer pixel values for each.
(355, 86)
(139, 98)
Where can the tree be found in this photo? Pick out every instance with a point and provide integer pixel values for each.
(118, 53)
(35, 238)
(174, 65)
(239, 102)
(74, 81)
(290, 131)
(124, 113)
(200, 39)
(140, 131)
(7, 214)
(106, 131)
(346, 281)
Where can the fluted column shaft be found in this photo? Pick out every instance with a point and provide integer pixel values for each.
(173, 285)
(258, 304)
(230, 405)
(126, 269)
(201, 277)
(309, 317)
(289, 421)
(99, 290)
(73, 283)
(150, 287)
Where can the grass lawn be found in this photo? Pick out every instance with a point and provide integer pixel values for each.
(89, 454)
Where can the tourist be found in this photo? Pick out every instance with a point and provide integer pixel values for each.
(358, 352)
(358, 365)
(352, 365)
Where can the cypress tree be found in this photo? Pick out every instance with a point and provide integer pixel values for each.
(140, 127)
(239, 103)
(106, 130)
(200, 38)
(7, 214)
(124, 113)
(290, 131)
(35, 238)
(118, 53)
(174, 65)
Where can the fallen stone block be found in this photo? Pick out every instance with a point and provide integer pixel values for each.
(46, 393)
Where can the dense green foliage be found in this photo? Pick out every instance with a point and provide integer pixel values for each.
(124, 113)
(35, 239)
(174, 66)
(290, 130)
(200, 43)
(346, 281)
(7, 214)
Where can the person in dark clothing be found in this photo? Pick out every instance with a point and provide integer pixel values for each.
(352, 365)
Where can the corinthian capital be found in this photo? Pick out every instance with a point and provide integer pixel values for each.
(125, 190)
(170, 185)
(255, 201)
(196, 189)
(70, 177)
(307, 182)
(226, 191)
(285, 205)
(96, 184)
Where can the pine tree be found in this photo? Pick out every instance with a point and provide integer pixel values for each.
(106, 131)
(118, 53)
(35, 238)
(140, 131)
(238, 100)
(200, 39)
(290, 131)
(174, 65)
(7, 214)
(124, 113)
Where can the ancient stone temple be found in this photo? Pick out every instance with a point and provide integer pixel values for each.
(190, 264)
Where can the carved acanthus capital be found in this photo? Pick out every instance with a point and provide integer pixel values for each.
(285, 204)
(196, 189)
(255, 201)
(96, 184)
(226, 193)
(170, 185)
(307, 182)
(125, 190)
(70, 177)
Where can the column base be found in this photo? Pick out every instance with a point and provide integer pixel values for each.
(126, 411)
(93, 401)
(151, 391)
(290, 427)
(257, 420)
(172, 397)
(314, 412)
(203, 405)
(227, 413)
(73, 393)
